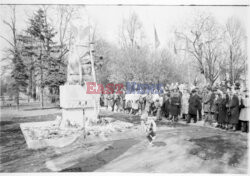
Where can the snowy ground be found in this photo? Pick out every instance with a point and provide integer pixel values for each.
(180, 149)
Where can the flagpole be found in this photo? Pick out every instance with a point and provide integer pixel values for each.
(96, 105)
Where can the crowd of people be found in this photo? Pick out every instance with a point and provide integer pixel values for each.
(223, 105)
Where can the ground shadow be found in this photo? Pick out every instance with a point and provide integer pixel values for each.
(13, 145)
(215, 147)
(100, 159)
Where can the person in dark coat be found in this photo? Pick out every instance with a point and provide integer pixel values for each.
(234, 110)
(226, 121)
(222, 110)
(200, 105)
(175, 102)
(180, 97)
(193, 106)
(166, 106)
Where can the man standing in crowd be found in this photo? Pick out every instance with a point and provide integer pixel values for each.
(193, 106)
(166, 106)
(175, 105)
(233, 109)
(200, 104)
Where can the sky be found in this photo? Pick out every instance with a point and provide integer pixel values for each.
(109, 19)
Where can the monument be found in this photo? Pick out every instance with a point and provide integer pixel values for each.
(78, 108)
(79, 120)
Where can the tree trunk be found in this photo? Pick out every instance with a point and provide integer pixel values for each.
(42, 89)
(34, 90)
(41, 97)
(30, 86)
(231, 67)
(17, 99)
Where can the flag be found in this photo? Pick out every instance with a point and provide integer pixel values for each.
(157, 42)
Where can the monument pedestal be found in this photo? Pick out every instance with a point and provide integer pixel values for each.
(72, 117)
(77, 110)
(77, 106)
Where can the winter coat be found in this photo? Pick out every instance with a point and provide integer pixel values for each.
(166, 107)
(207, 102)
(234, 110)
(175, 105)
(222, 110)
(244, 112)
(215, 106)
(184, 103)
(194, 102)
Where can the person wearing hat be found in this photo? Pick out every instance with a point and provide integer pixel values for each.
(175, 102)
(234, 109)
(166, 106)
(245, 104)
(193, 106)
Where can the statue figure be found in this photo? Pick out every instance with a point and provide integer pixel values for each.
(79, 63)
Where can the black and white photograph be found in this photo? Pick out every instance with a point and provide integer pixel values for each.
(124, 86)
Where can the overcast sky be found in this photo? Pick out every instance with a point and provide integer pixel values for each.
(109, 18)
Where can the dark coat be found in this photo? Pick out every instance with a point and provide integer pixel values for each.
(166, 107)
(175, 105)
(227, 104)
(234, 110)
(200, 104)
(194, 102)
(222, 110)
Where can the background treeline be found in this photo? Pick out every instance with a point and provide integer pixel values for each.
(201, 52)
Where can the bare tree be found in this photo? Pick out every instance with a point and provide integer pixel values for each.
(131, 33)
(235, 49)
(65, 14)
(18, 72)
(202, 41)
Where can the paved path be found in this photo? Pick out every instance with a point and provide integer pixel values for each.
(180, 149)
(187, 150)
